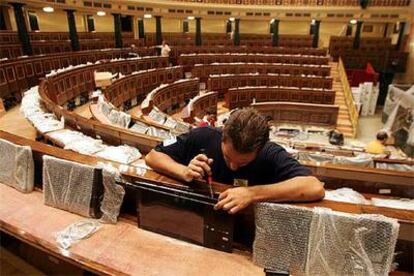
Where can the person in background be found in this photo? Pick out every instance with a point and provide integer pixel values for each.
(378, 146)
(165, 49)
(208, 120)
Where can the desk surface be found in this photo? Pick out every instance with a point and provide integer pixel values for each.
(115, 249)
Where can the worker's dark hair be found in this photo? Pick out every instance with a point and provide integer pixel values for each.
(382, 136)
(246, 130)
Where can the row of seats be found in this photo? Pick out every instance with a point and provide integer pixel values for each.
(372, 3)
(198, 106)
(188, 49)
(222, 83)
(9, 37)
(67, 85)
(18, 75)
(203, 71)
(390, 61)
(171, 97)
(299, 113)
(213, 39)
(377, 51)
(92, 128)
(244, 96)
(138, 85)
(60, 46)
(191, 59)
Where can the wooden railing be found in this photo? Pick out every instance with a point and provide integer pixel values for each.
(353, 113)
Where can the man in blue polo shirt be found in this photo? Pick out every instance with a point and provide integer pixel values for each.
(239, 154)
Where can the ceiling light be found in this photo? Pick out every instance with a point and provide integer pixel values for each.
(48, 9)
(101, 13)
(190, 17)
(231, 19)
(147, 16)
(353, 21)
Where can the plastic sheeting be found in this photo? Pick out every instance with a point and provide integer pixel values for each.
(122, 154)
(113, 195)
(86, 145)
(16, 166)
(157, 116)
(66, 136)
(317, 157)
(319, 241)
(402, 203)
(346, 195)
(76, 232)
(31, 108)
(342, 244)
(396, 167)
(68, 185)
(119, 118)
(362, 160)
(139, 128)
(158, 132)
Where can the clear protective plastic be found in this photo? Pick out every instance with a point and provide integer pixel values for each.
(113, 195)
(123, 154)
(362, 160)
(319, 241)
(346, 195)
(316, 157)
(16, 166)
(76, 232)
(68, 185)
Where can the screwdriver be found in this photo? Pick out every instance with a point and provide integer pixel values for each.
(208, 178)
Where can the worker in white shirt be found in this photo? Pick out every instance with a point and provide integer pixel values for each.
(165, 49)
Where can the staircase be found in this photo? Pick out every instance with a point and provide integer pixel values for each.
(344, 123)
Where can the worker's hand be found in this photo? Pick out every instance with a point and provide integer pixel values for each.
(198, 167)
(235, 199)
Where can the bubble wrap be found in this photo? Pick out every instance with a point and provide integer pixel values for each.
(86, 145)
(157, 116)
(181, 127)
(396, 167)
(122, 154)
(66, 136)
(281, 240)
(360, 161)
(16, 166)
(67, 185)
(113, 195)
(119, 118)
(139, 128)
(317, 157)
(319, 241)
(346, 195)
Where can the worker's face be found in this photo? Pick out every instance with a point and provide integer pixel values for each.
(234, 159)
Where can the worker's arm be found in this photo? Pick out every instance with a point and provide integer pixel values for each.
(164, 164)
(300, 188)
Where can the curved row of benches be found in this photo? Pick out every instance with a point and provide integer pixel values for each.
(190, 60)
(222, 83)
(244, 96)
(203, 71)
(109, 134)
(18, 75)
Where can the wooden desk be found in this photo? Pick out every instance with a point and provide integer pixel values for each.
(222, 83)
(202, 71)
(119, 249)
(243, 96)
(300, 113)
